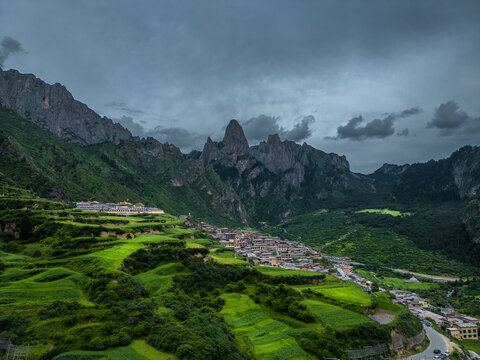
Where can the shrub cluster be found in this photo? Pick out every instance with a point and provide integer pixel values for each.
(286, 300)
(203, 336)
(146, 259)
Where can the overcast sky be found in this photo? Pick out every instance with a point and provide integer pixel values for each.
(378, 81)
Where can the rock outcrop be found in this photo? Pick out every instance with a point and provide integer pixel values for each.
(279, 178)
(471, 226)
(54, 109)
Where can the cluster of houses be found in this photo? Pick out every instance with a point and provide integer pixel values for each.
(121, 208)
(265, 250)
(458, 326)
(273, 251)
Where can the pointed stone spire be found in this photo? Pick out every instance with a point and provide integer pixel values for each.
(234, 139)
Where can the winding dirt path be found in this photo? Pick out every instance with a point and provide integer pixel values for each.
(339, 239)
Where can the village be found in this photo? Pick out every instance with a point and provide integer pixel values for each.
(263, 250)
(121, 208)
(458, 326)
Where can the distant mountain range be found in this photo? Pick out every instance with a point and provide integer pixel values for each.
(91, 157)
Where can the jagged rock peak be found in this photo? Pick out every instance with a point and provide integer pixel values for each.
(53, 108)
(234, 139)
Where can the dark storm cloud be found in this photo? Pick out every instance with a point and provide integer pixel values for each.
(404, 132)
(301, 130)
(9, 46)
(451, 120)
(374, 129)
(377, 128)
(258, 128)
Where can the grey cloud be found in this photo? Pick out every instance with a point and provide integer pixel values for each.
(409, 112)
(404, 132)
(258, 128)
(9, 46)
(301, 130)
(128, 122)
(184, 139)
(374, 129)
(116, 104)
(120, 105)
(377, 128)
(448, 117)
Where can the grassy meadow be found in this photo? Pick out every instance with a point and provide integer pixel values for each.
(390, 282)
(335, 316)
(83, 285)
(267, 337)
(385, 212)
(417, 239)
(348, 293)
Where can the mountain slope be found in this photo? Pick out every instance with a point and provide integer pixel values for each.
(53, 108)
(280, 178)
(140, 170)
(81, 285)
(452, 179)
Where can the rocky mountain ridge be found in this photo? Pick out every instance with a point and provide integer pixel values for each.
(280, 176)
(451, 179)
(53, 108)
(272, 180)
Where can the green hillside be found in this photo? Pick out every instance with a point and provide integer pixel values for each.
(83, 285)
(138, 170)
(428, 239)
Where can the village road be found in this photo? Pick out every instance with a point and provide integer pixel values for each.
(437, 341)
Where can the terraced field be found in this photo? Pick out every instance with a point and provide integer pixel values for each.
(137, 350)
(334, 316)
(114, 256)
(81, 282)
(385, 212)
(345, 292)
(271, 271)
(269, 338)
(43, 288)
(161, 278)
(226, 257)
(8, 258)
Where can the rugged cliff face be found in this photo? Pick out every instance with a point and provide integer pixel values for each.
(471, 224)
(454, 178)
(279, 178)
(471, 221)
(54, 109)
